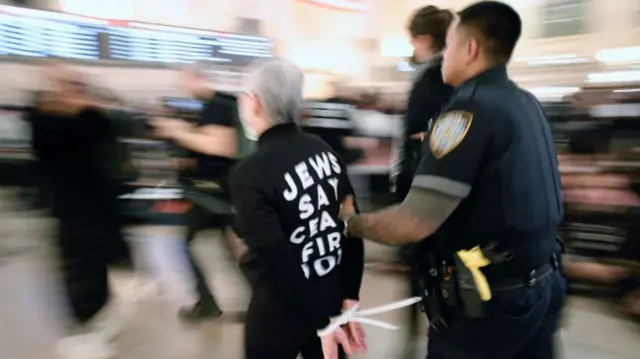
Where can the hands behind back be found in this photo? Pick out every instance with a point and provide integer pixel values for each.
(350, 336)
(355, 333)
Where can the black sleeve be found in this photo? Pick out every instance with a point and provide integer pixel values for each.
(264, 236)
(66, 134)
(352, 266)
(427, 99)
(93, 124)
(452, 152)
(219, 111)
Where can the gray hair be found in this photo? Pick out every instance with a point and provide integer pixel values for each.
(278, 84)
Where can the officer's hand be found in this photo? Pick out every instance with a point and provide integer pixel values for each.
(332, 342)
(418, 136)
(347, 208)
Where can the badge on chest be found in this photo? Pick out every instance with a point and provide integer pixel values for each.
(448, 131)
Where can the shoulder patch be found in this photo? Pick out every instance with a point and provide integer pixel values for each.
(449, 129)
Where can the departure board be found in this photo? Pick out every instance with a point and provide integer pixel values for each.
(27, 32)
(37, 33)
(144, 42)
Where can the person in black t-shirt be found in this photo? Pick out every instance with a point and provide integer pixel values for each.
(287, 197)
(211, 144)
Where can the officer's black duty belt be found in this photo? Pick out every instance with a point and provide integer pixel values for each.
(504, 284)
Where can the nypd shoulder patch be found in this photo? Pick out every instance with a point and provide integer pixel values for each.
(449, 129)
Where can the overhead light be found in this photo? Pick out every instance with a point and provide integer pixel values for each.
(396, 46)
(352, 5)
(619, 55)
(555, 60)
(404, 66)
(626, 90)
(617, 76)
(553, 91)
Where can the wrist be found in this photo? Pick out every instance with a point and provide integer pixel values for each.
(325, 329)
(348, 303)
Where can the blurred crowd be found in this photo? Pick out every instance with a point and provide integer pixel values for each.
(596, 132)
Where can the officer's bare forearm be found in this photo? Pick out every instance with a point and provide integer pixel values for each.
(421, 214)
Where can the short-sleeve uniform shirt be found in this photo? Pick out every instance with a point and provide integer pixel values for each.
(492, 147)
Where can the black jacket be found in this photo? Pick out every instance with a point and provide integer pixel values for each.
(75, 154)
(427, 97)
(287, 198)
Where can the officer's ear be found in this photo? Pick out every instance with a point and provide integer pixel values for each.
(472, 42)
(473, 48)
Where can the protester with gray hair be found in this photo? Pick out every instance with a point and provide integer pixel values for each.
(287, 197)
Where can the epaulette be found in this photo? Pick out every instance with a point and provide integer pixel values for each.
(465, 93)
(462, 94)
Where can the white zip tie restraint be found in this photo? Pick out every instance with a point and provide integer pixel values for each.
(353, 315)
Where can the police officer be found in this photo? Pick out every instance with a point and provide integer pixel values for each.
(487, 194)
(287, 198)
(212, 146)
(428, 30)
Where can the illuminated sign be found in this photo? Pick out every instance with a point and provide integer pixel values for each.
(37, 33)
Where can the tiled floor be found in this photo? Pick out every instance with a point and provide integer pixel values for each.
(30, 309)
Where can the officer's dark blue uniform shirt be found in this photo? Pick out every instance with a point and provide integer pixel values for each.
(492, 146)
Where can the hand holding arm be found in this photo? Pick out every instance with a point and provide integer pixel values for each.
(420, 215)
(443, 179)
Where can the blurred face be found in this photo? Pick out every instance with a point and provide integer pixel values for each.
(422, 48)
(460, 54)
(65, 79)
(193, 83)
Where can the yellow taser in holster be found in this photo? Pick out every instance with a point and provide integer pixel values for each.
(473, 287)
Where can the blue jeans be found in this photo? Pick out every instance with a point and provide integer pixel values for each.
(519, 324)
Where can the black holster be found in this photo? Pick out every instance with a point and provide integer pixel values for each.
(433, 305)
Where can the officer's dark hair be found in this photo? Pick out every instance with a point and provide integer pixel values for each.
(431, 21)
(497, 26)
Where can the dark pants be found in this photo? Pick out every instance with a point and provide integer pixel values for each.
(197, 219)
(519, 324)
(83, 248)
(271, 332)
(403, 184)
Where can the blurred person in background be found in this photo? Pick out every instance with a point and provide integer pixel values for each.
(332, 120)
(212, 144)
(71, 137)
(605, 196)
(428, 29)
